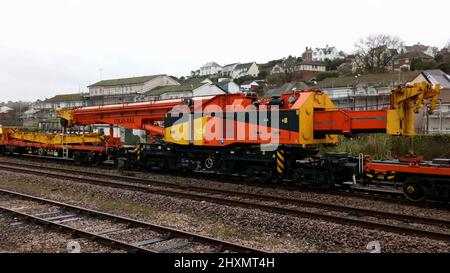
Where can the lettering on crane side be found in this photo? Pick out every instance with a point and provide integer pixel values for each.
(123, 120)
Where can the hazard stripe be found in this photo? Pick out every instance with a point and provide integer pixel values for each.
(280, 164)
(281, 159)
(279, 170)
(280, 156)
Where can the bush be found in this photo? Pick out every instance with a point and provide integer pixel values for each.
(243, 79)
(381, 146)
(334, 64)
(262, 75)
(329, 74)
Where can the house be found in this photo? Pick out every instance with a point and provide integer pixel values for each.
(126, 90)
(249, 85)
(228, 85)
(72, 100)
(266, 68)
(228, 69)
(191, 88)
(42, 114)
(403, 61)
(278, 68)
(245, 69)
(309, 69)
(286, 88)
(211, 68)
(364, 92)
(6, 114)
(439, 121)
(321, 54)
(195, 73)
(428, 50)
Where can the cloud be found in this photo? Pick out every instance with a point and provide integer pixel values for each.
(52, 46)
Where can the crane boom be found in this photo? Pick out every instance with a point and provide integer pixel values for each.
(306, 117)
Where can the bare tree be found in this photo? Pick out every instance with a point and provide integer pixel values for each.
(376, 52)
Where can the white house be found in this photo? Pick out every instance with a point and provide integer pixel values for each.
(195, 73)
(62, 101)
(210, 68)
(278, 68)
(5, 109)
(228, 85)
(429, 50)
(228, 69)
(125, 90)
(299, 67)
(207, 90)
(321, 54)
(192, 88)
(248, 85)
(246, 69)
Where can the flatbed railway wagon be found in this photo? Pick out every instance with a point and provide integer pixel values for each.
(89, 148)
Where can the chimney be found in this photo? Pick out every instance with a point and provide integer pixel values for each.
(307, 56)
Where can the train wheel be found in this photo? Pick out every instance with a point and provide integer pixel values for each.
(41, 152)
(413, 190)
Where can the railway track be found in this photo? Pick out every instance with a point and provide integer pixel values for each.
(362, 217)
(172, 239)
(374, 194)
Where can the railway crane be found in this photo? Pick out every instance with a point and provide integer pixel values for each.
(274, 139)
(226, 133)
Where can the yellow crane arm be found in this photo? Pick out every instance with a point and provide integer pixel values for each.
(406, 100)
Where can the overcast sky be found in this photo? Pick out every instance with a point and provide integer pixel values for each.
(50, 47)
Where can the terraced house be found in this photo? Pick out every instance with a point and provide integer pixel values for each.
(364, 92)
(42, 113)
(126, 90)
(195, 87)
(245, 69)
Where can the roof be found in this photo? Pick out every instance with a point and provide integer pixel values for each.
(312, 63)
(230, 65)
(245, 66)
(437, 76)
(31, 111)
(210, 64)
(417, 47)
(183, 87)
(326, 50)
(286, 88)
(224, 84)
(249, 82)
(413, 54)
(67, 97)
(5, 109)
(126, 81)
(372, 79)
